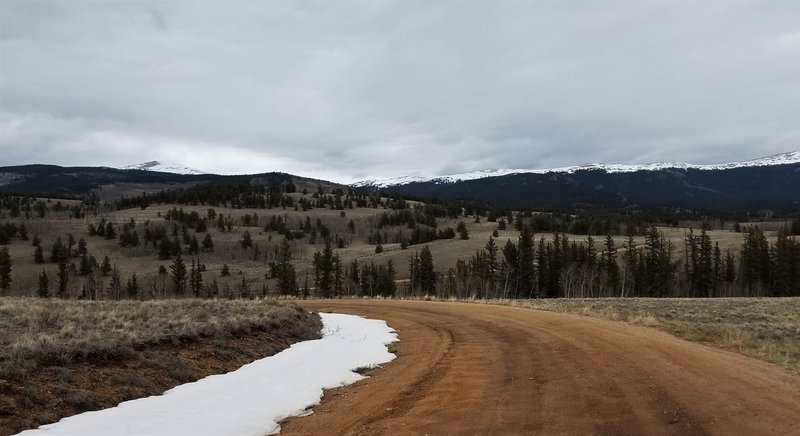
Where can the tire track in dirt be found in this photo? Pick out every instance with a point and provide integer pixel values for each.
(408, 398)
(475, 369)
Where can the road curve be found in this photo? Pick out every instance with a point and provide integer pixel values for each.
(478, 369)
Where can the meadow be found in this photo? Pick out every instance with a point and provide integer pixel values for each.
(249, 266)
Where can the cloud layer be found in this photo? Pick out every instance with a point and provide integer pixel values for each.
(359, 89)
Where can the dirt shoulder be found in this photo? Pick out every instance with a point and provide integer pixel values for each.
(49, 372)
(764, 328)
(483, 369)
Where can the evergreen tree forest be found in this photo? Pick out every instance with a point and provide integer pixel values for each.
(554, 267)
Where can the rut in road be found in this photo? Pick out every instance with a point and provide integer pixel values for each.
(475, 369)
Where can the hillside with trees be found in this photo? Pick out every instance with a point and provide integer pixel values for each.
(736, 189)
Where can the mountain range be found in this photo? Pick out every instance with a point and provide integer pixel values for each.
(771, 182)
(777, 159)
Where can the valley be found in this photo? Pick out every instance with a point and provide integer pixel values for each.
(215, 245)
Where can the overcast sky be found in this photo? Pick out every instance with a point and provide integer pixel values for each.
(347, 90)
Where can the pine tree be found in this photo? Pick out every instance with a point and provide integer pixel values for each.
(658, 266)
(208, 243)
(43, 287)
(110, 233)
(58, 253)
(178, 269)
(63, 279)
(525, 271)
(212, 290)
(132, 287)
(338, 276)
(461, 229)
(244, 290)
(755, 259)
(501, 224)
(165, 249)
(786, 266)
(226, 271)
(116, 284)
(38, 254)
(511, 261)
(195, 278)
(323, 271)
(718, 272)
(70, 244)
(491, 265)
(631, 277)
(426, 276)
(699, 263)
(5, 268)
(353, 278)
(105, 267)
(194, 245)
(287, 277)
(389, 285)
(610, 266)
(85, 266)
(247, 240)
(730, 267)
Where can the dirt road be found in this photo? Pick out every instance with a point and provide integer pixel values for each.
(479, 370)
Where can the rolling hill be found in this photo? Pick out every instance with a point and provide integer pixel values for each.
(110, 183)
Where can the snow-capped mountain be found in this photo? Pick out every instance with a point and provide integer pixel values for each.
(778, 159)
(155, 165)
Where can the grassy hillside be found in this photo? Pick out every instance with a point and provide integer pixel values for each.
(249, 267)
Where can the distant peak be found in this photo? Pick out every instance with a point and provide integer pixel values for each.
(157, 166)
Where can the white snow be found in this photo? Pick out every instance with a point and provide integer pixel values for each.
(155, 165)
(778, 159)
(254, 398)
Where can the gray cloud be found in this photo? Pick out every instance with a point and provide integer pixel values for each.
(350, 90)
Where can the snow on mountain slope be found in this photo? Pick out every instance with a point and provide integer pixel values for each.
(155, 165)
(778, 159)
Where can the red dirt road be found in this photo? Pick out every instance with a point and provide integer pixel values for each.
(477, 370)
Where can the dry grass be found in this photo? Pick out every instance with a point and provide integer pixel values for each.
(764, 328)
(37, 333)
(59, 358)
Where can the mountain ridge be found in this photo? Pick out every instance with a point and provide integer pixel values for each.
(791, 157)
(172, 168)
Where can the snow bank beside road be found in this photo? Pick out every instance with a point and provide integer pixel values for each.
(254, 398)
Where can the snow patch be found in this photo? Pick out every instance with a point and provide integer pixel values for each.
(157, 166)
(253, 399)
(778, 159)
